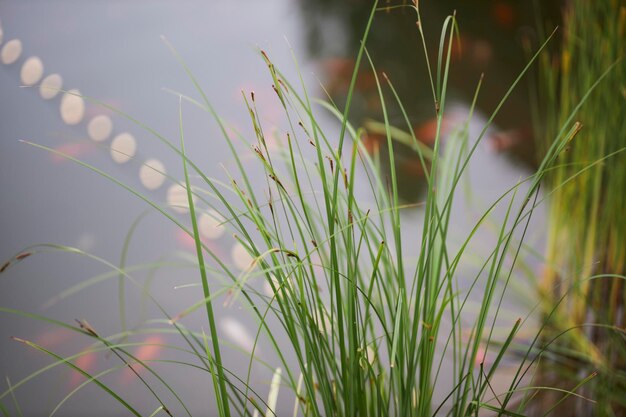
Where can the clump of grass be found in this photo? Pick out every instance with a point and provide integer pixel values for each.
(372, 332)
(587, 231)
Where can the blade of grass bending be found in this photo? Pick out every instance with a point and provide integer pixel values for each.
(85, 329)
(567, 395)
(84, 384)
(213, 113)
(198, 304)
(118, 367)
(121, 347)
(85, 326)
(178, 328)
(53, 365)
(107, 346)
(77, 369)
(546, 388)
(91, 281)
(114, 267)
(142, 197)
(221, 394)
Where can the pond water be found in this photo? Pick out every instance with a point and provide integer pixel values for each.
(113, 52)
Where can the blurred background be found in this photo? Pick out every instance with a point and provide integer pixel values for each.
(112, 51)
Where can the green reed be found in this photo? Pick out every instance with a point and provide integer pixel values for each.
(587, 231)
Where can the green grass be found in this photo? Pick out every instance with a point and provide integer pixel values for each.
(587, 232)
(376, 328)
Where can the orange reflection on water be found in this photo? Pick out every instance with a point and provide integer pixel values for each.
(503, 14)
(340, 71)
(87, 362)
(188, 243)
(150, 350)
(73, 149)
(54, 338)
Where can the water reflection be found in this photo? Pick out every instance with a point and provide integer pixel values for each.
(100, 127)
(237, 333)
(152, 174)
(123, 148)
(87, 361)
(32, 71)
(177, 198)
(210, 225)
(492, 34)
(72, 107)
(11, 51)
(240, 256)
(50, 86)
(78, 150)
(151, 349)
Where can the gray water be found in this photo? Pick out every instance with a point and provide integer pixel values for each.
(113, 51)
